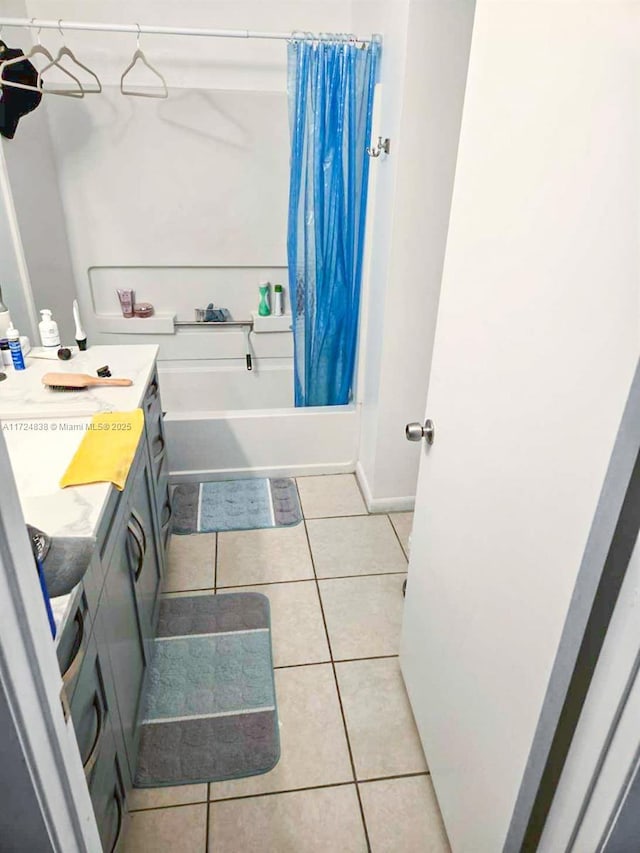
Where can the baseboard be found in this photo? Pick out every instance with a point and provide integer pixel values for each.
(242, 473)
(401, 504)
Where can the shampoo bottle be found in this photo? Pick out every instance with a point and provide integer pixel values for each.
(5, 318)
(13, 336)
(49, 335)
(263, 308)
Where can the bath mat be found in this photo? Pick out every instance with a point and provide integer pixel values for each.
(209, 710)
(235, 505)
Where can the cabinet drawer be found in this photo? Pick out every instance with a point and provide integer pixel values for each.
(143, 554)
(108, 797)
(90, 711)
(155, 437)
(162, 495)
(72, 645)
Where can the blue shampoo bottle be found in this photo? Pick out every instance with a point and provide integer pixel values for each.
(13, 336)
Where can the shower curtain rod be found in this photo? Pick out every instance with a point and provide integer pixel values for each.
(36, 23)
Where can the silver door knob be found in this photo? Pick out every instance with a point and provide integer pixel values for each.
(416, 431)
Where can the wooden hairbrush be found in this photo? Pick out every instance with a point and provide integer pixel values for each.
(79, 381)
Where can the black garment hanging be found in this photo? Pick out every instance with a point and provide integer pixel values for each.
(15, 103)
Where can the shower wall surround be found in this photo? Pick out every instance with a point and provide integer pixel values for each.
(182, 199)
(185, 201)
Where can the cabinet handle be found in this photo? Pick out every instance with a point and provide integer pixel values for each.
(140, 524)
(141, 549)
(95, 748)
(152, 393)
(160, 452)
(78, 654)
(117, 796)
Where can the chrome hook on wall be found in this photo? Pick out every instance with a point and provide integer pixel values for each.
(383, 145)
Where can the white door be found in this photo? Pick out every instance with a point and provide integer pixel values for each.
(536, 345)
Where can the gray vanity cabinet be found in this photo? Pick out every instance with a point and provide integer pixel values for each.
(108, 794)
(106, 644)
(124, 643)
(95, 719)
(144, 554)
(156, 442)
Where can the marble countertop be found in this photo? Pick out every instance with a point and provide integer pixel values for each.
(43, 429)
(23, 396)
(42, 443)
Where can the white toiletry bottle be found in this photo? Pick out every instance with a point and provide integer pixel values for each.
(278, 301)
(49, 334)
(5, 318)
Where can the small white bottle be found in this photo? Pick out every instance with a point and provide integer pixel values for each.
(49, 334)
(278, 301)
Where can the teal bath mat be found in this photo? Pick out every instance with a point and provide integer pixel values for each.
(209, 711)
(235, 505)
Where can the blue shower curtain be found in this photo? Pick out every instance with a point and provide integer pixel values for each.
(331, 85)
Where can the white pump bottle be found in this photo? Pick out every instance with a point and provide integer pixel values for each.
(49, 334)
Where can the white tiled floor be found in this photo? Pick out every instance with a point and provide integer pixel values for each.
(352, 776)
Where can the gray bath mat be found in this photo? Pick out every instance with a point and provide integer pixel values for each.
(209, 711)
(235, 505)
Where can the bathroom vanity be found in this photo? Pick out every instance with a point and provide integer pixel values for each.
(107, 556)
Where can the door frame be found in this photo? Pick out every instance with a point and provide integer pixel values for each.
(609, 546)
(31, 681)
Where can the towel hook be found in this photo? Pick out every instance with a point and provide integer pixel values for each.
(383, 145)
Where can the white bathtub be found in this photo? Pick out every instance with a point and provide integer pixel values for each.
(222, 421)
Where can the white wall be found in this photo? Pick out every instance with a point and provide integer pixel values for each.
(185, 197)
(17, 197)
(421, 109)
(33, 176)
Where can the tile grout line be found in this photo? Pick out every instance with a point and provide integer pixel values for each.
(404, 551)
(335, 678)
(364, 514)
(276, 583)
(315, 787)
(362, 497)
(340, 660)
(328, 578)
(281, 791)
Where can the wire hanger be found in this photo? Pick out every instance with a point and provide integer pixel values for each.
(139, 56)
(40, 49)
(67, 52)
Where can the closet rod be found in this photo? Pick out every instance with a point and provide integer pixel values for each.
(37, 23)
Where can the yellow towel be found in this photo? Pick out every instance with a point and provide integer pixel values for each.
(107, 450)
